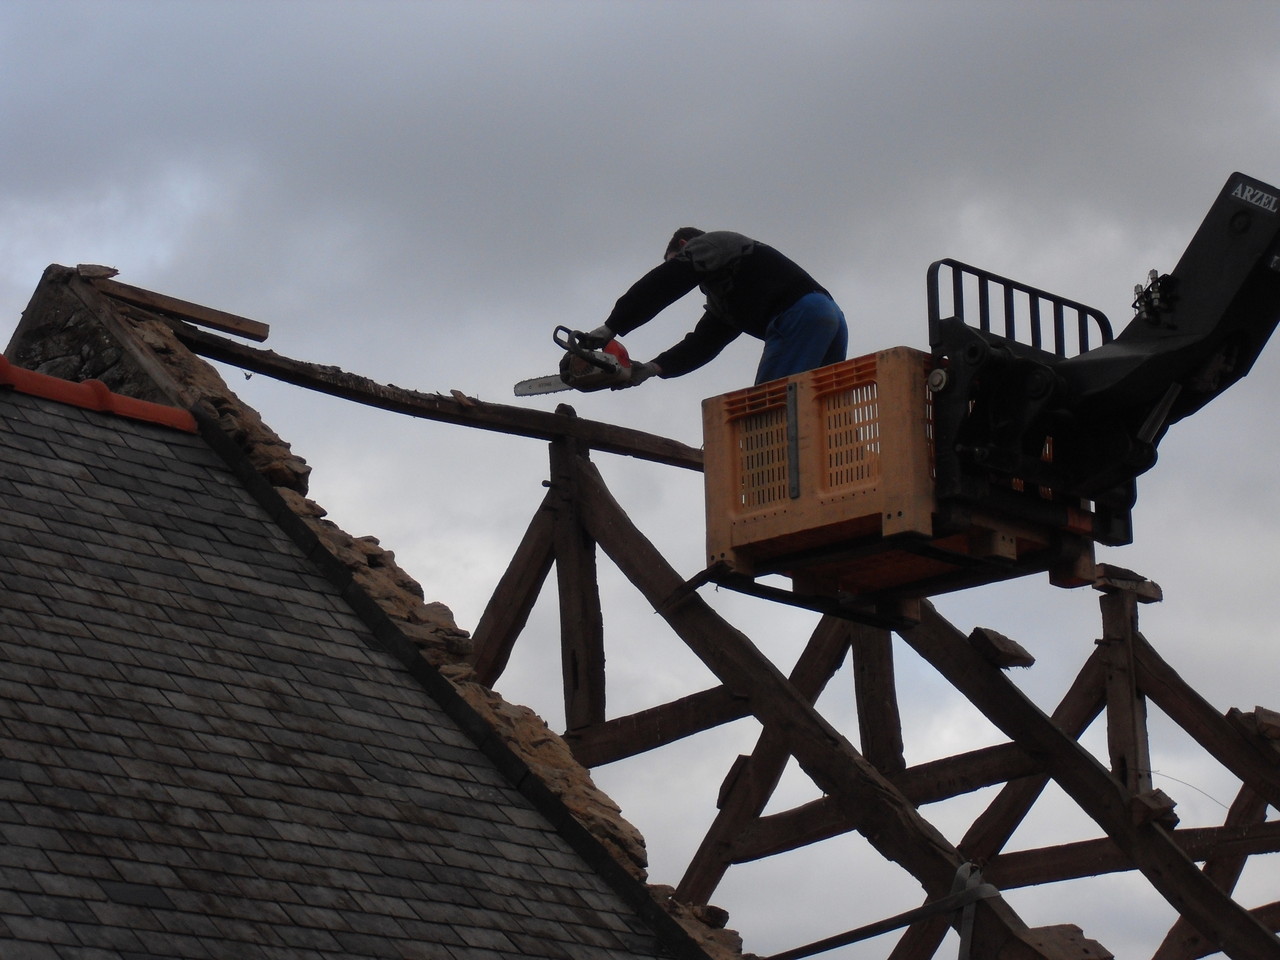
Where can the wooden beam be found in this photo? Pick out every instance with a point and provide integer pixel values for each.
(1196, 946)
(989, 833)
(1150, 847)
(887, 819)
(753, 781)
(937, 780)
(512, 601)
(876, 696)
(928, 782)
(649, 729)
(1127, 741)
(792, 829)
(183, 309)
(1182, 942)
(1091, 858)
(1253, 759)
(1079, 706)
(921, 940)
(581, 621)
(461, 410)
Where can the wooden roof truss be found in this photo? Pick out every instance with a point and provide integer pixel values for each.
(868, 787)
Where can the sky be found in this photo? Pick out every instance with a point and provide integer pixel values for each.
(418, 192)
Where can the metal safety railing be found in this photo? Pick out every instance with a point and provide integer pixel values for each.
(1013, 310)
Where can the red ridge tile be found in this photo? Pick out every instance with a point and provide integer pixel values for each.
(93, 395)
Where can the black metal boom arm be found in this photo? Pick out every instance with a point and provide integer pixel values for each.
(1032, 390)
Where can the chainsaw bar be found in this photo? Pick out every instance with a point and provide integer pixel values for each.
(540, 385)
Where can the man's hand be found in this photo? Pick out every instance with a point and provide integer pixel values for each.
(640, 372)
(595, 339)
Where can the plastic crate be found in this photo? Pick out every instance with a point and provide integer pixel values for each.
(827, 477)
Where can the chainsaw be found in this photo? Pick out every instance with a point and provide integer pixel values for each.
(581, 368)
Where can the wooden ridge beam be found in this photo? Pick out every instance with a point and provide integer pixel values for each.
(1213, 913)
(456, 409)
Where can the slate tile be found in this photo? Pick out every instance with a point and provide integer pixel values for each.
(309, 939)
(452, 885)
(512, 912)
(35, 836)
(13, 473)
(108, 936)
(533, 946)
(437, 935)
(373, 918)
(60, 908)
(231, 853)
(11, 902)
(80, 865)
(519, 853)
(20, 522)
(66, 798)
(359, 944)
(26, 607)
(41, 930)
(416, 867)
(17, 876)
(21, 683)
(17, 776)
(475, 953)
(440, 910)
(63, 476)
(30, 444)
(124, 821)
(486, 938)
(133, 917)
(177, 943)
(148, 565)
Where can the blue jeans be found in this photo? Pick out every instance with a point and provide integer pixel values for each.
(810, 333)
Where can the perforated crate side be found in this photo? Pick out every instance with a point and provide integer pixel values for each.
(749, 429)
(847, 397)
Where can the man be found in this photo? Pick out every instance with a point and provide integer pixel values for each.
(750, 288)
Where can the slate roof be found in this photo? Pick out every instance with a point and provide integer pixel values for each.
(208, 752)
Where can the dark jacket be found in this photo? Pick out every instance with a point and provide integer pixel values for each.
(746, 283)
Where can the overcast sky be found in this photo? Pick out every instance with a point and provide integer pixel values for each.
(418, 192)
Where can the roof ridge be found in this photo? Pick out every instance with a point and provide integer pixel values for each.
(93, 395)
